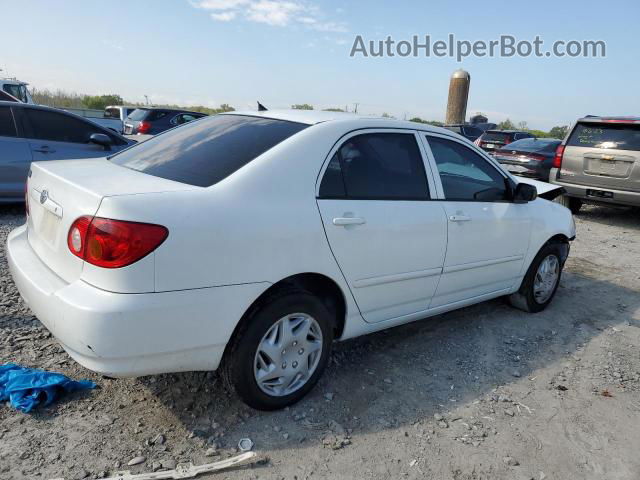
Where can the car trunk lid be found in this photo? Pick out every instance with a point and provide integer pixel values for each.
(61, 191)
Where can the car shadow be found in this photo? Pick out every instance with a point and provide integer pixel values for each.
(398, 377)
(624, 217)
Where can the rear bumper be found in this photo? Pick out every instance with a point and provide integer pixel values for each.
(620, 197)
(129, 334)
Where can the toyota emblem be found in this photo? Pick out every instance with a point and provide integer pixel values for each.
(44, 195)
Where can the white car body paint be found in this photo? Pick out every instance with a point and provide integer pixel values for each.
(176, 308)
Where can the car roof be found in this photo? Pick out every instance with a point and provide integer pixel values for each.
(169, 109)
(611, 119)
(505, 131)
(314, 117)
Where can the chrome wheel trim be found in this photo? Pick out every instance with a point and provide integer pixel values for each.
(546, 278)
(288, 354)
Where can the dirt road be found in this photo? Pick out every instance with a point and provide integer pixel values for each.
(487, 392)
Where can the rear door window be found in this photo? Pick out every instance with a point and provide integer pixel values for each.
(58, 127)
(7, 125)
(606, 136)
(204, 152)
(377, 166)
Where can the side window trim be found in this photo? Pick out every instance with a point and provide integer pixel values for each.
(354, 133)
(434, 167)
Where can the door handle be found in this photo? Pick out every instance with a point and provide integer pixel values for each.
(344, 221)
(459, 218)
(44, 149)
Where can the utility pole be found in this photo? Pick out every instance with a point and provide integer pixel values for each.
(355, 105)
(146, 98)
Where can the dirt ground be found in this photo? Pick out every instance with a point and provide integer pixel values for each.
(487, 392)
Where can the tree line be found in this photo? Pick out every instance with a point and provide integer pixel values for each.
(62, 99)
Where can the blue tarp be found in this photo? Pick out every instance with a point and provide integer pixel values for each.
(26, 388)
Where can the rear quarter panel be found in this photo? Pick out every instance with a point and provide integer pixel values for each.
(261, 224)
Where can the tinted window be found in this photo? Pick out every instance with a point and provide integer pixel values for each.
(7, 127)
(18, 91)
(138, 114)
(619, 136)
(465, 175)
(332, 185)
(156, 115)
(129, 111)
(499, 137)
(204, 152)
(112, 113)
(383, 166)
(533, 145)
(472, 132)
(54, 126)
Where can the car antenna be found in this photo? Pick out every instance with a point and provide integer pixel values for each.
(262, 108)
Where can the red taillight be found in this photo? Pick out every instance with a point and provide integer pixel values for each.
(143, 127)
(507, 141)
(557, 160)
(113, 243)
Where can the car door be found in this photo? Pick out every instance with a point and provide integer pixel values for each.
(386, 234)
(488, 234)
(58, 136)
(15, 157)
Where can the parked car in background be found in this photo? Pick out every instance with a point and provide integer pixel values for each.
(38, 133)
(529, 157)
(248, 237)
(599, 162)
(492, 140)
(16, 89)
(121, 112)
(151, 121)
(469, 132)
(99, 117)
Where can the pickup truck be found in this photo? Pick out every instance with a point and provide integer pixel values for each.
(121, 112)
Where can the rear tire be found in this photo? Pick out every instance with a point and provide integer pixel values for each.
(541, 280)
(572, 203)
(281, 350)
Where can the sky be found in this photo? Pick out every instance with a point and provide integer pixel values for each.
(284, 52)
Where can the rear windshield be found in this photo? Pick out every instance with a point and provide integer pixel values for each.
(610, 135)
(112, 112)
(138, 114)
(496, 137)
(204, 152)
(533, 145)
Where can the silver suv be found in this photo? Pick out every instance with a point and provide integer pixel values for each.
(599, 162)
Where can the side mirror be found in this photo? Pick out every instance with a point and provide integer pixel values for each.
(101, 139)
(524, 193)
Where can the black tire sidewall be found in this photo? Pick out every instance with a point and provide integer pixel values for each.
(527, 286)
(243, 353)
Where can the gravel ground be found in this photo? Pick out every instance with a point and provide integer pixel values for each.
(486, 392)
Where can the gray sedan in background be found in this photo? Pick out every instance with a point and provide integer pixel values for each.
(33, 133)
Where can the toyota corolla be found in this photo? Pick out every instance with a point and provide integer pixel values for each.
(253, 241)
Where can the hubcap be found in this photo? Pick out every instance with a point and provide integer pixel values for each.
(546, 279)
(288, 354)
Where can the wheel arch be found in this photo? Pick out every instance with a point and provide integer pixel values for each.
(324, 287)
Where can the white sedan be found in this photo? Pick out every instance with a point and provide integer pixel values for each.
(253, 240)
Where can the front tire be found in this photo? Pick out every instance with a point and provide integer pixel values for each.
(572, 203)
(281, 351)
(541, 280)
